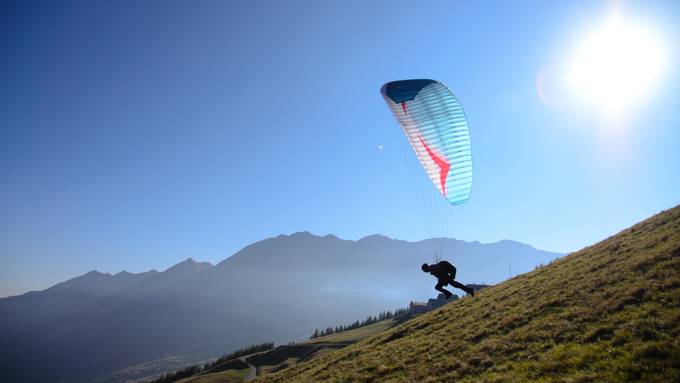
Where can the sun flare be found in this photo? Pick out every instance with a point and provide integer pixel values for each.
(616, 66)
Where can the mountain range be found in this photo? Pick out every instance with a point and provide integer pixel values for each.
(278, 289)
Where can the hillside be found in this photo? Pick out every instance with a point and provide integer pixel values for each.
(610, 312)
(234, 370)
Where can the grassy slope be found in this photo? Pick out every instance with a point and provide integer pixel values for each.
(235, 376)
(610, 312)
(356, 334)
(324, 345)
(228, 376)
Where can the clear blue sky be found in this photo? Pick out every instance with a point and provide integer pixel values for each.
(134, 134)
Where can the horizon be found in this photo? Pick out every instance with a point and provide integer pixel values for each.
(136, 135)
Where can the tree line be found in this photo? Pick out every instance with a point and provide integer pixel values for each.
(198, 368)
(369, 320)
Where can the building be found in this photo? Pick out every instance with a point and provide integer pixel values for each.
(423, 307)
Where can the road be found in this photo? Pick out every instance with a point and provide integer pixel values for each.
(252, 374)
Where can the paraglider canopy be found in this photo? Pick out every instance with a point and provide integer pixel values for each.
(436, 127)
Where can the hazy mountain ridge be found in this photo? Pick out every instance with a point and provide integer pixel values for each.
(100, 284)
(278, 289)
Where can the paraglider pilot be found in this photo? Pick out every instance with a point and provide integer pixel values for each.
(445, 274)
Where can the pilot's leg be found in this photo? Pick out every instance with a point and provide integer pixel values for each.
(462, 287)
(440, 287)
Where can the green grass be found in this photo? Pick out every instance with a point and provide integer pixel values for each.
(356, 334)
(607, 313)
(228, 376)
(323, 345)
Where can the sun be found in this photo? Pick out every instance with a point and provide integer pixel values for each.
(616, 65)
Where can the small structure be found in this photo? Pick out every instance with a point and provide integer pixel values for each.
(431, 304)
(417, 308)
(441, 300)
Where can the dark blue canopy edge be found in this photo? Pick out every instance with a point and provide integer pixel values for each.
(404, 90)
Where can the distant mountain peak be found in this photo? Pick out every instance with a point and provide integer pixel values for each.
(95, 273)
(374, 237)
(515, 244)
(510, 241)
(188, 265)
(302, 234)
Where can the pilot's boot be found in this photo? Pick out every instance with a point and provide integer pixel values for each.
(470, 291)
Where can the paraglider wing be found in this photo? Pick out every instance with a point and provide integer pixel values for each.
(436, 127)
